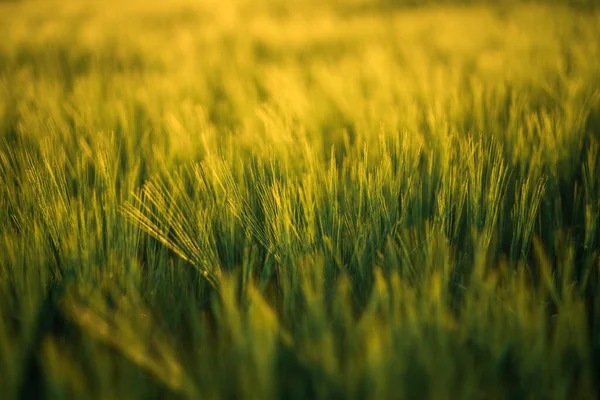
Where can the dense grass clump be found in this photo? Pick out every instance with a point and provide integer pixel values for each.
(272, 199)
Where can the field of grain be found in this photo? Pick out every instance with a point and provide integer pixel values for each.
(219, 199)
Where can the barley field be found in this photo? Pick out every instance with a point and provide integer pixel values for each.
(269, 199)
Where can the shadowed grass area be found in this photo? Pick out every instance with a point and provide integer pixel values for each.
(341, 199)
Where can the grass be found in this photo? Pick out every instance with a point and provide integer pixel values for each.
(342, 199)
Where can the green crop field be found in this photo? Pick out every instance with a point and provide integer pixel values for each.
(305, 199)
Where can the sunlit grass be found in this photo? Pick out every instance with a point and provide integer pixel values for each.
(356, 199)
